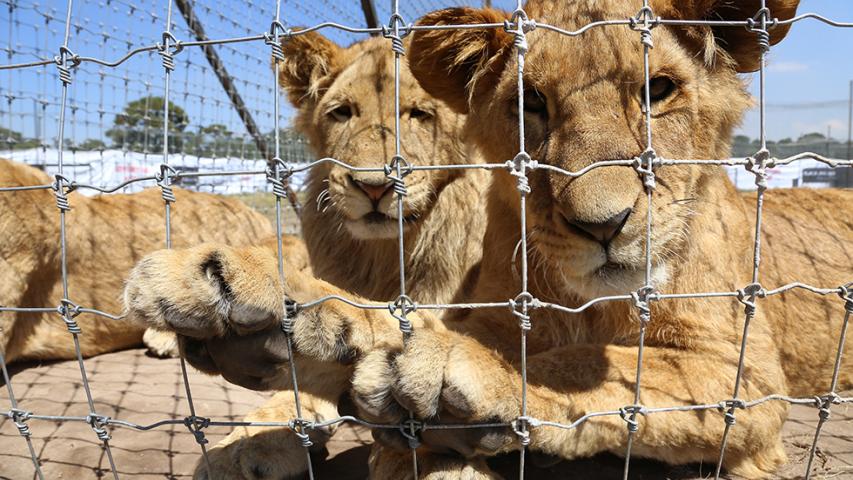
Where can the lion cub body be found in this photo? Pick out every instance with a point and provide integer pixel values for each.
(106, 235)
(587, 240)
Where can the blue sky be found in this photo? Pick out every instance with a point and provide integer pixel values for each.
(812, 66)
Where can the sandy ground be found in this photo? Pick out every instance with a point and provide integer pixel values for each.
(131, 386)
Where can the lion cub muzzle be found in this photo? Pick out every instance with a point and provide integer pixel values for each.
(598, 205)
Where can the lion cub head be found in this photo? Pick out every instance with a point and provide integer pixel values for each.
(583, 103)
(345, 100)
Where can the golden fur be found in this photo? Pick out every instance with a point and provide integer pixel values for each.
(106, 235)
(701, 242)
(353, 254)
(585, 106)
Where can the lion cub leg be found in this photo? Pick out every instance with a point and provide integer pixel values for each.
(270, 452)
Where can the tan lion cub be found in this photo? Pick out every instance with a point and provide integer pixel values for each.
(586, 237)
(106, 236)
(345, 102)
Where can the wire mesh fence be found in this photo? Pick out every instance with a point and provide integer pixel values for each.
(108, 63)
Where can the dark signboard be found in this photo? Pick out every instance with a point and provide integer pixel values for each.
(819, 175)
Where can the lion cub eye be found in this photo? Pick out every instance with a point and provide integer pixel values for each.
(534, 102)
(342, 113)
(419, 114)
(660, 88)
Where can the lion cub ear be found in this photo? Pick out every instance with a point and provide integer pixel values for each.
(451, 64)
(310, 63)
(735, 44)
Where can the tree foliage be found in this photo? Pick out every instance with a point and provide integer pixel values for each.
(139, 127)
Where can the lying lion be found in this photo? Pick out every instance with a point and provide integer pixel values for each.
(106, 236)
(345, 102)
(587, 239)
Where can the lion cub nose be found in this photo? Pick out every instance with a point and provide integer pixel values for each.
(374, 189)
(602, 232)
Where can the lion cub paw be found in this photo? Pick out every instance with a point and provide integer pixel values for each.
(259, 453)
(442, 379)
(161, 344)
(386, 463)
(205, 291)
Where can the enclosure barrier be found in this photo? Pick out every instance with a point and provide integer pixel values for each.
(396, 170)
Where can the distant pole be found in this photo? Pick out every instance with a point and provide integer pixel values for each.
(850, 137)
(487, 3)
(370, 16)
(828, 140)
(850, 124)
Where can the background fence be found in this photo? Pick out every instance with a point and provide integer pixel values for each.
(152, 95)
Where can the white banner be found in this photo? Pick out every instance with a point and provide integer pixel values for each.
(111, 168)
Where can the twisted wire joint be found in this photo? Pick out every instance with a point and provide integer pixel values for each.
(163, 181)
(99, 426)
(196, 426)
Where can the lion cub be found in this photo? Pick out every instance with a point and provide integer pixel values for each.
(345, 107)
(106, 236)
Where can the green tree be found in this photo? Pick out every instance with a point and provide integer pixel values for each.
(813, 137)
(15, 140)
(741, 140)
(140, 126)
(91, 144)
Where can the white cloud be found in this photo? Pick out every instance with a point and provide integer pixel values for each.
(787, 67)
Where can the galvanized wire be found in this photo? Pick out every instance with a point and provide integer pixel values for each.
(396, 170)
(277, 170)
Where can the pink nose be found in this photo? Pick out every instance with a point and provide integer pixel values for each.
(374, 191)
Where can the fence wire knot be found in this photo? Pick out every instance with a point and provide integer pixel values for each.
(758, 164)
(278, 175)
(167, 55)
(273, 38)
(521, 427)
(729, 407)
(518, 168)
(196, 426)
(410, 428)
(99, 425)
(163, 178)
(747, 296)
(405, 305)
(398, 181)
(61, 188)
(645, 167)
(298, 426)
(519, 306)
(518, 25)
(629, 415)
(759, 25)
(644, 22)
(823, 404)
(641, 300)
(291, 309)
(20, 417)
(61, 60)
(846, 294)
(392, 31)
(69, 310)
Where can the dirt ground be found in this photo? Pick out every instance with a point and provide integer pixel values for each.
(131, 386)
